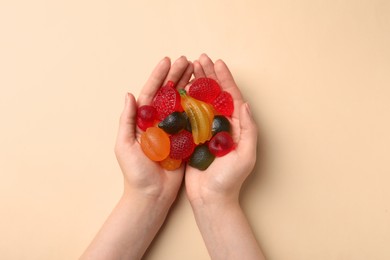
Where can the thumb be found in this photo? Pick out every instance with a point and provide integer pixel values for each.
(127, 121)
(247, 144)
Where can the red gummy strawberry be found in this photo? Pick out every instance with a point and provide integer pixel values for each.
(204, 89)
(146, 116)
(170, 83)
(223, 104)
(182, 145)
(167, 100)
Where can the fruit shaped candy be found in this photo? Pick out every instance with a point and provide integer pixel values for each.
(209, 111)
(201, 157)
(167, 100)
(170, 83)
(204, 89)
(188, 123)
(155, 143)
(173, 123)
(220, 123)
(182, 145)
(146, 116)
(170, 164)
(221, 144)
(200, 115)
(223, 104)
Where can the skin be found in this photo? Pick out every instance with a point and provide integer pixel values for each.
(149, 190)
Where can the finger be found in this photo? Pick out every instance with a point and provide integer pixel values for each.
(247, 143)
(154, 82)
(186, 76)
(177, 70)
(226, 80)
(198, 70)
(127, 121)
(208, 66)
(189, 83)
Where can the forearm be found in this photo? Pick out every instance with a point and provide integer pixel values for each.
(129, 229)
(226, 231)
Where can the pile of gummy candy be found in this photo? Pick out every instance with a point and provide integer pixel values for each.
(187, 126)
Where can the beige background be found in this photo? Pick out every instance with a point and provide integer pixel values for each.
(316, 73)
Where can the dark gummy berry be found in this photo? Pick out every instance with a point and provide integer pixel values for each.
(173, 123)
(188, 123)
(220, 124)
(201, 157)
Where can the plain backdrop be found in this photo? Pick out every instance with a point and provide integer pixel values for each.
(317, 77)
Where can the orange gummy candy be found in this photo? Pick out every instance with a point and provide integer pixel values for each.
(170, 164)
(155, 143)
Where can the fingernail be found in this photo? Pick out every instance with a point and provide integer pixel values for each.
(165, 59)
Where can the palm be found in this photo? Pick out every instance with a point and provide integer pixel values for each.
(217, 179)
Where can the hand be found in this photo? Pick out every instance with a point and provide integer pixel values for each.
(224, 177)
(149, 190)
(214, 193)
(141, 175)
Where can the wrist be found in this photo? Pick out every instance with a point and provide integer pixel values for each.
(206, 197)
(150, 194)
(225, 229)
(161, 201)
(211, 202)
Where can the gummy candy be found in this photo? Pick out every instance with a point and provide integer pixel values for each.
(197, 135)
(167, 100)
(221, 144)
(204, 89)
(200, 115)
(224, 104)
(173, 123)
(155, 143)
(182, 145)
(201, 158)
(146, 116)
(170, 164)
(220, 123)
